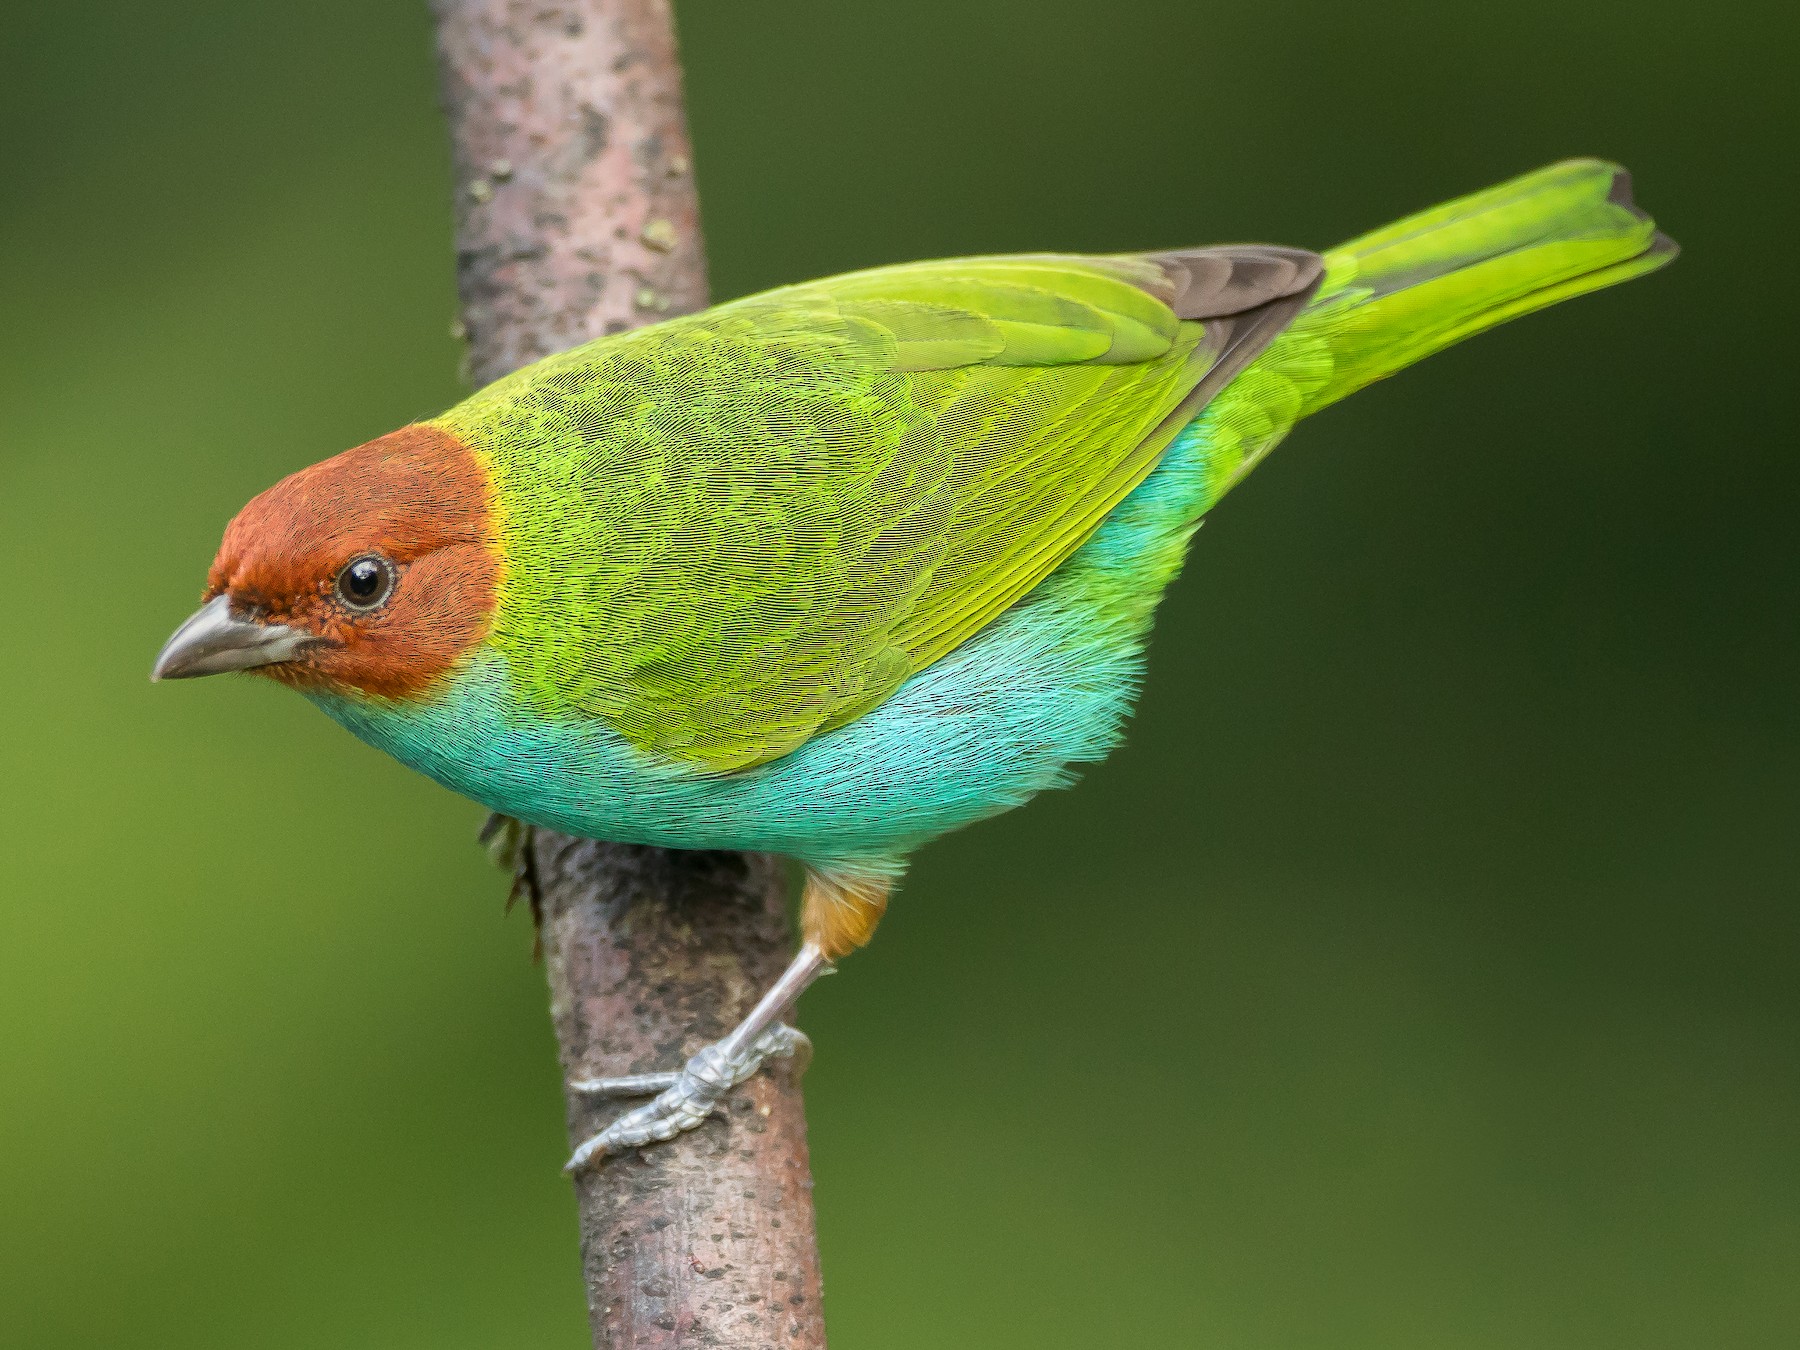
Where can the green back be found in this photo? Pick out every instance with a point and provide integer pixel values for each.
(730, 531)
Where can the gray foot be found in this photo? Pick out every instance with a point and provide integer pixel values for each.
(685, 1098)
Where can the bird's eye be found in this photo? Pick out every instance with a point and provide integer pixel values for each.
(366, 582)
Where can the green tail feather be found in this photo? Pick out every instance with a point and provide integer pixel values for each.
(1397, 295)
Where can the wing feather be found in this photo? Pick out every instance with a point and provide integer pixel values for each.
(731, 531)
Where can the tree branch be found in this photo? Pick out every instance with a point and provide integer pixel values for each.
(576, 216)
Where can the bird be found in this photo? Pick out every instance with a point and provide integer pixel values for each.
(834, 569)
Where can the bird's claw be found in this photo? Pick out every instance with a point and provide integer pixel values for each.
(505, 840)
(685, 1098)
(510, 847)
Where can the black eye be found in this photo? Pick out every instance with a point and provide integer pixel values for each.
(366, 581)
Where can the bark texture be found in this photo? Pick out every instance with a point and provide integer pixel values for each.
(576, 210)
(576, 216)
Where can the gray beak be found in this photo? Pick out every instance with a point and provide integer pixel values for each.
(215, 640)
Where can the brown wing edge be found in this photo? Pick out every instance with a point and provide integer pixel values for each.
(1225, 279)
(1246, 333)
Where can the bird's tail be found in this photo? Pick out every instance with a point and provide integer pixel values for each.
(1397, 295)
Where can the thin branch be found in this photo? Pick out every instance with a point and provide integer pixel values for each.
(577, 216)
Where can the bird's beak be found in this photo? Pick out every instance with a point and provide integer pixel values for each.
(215, 640)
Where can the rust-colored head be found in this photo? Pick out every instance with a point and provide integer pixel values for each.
(377, 569)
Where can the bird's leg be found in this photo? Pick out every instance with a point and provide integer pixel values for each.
(838, 913)
(690, 1095)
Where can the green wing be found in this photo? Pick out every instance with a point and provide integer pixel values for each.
(731, 531)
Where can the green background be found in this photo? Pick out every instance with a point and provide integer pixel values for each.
(1422, 974)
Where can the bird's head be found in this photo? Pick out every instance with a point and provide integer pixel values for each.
(373, 572)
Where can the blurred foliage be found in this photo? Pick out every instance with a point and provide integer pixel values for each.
(1421, 975)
